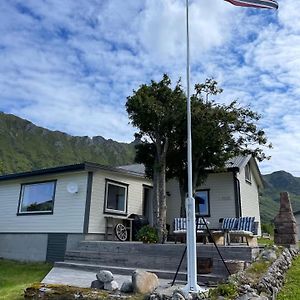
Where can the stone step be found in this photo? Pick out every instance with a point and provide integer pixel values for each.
(136, 261)
(203, 279)
(239, 252)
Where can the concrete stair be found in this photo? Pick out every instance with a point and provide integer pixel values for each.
(124, 257)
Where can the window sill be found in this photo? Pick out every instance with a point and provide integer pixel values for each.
(34, 213)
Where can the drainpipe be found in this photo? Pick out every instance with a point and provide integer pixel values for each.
(237, 195)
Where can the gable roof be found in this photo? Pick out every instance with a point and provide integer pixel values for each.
(85, 166)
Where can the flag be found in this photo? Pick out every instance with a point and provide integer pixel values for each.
(255, 3)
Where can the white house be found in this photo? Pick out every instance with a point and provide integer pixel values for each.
(297, 217)
(47, 211)
(232, 193)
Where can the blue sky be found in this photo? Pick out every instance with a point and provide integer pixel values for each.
(69, 65)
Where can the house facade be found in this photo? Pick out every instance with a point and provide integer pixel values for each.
(46, 211)
(232, 193)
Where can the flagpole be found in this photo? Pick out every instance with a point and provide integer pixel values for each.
(192, 286)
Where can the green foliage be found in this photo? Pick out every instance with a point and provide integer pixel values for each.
(147, 234)
(25, 147)
(226, 290)
(267, 228)
(290, 290)
(16, 276)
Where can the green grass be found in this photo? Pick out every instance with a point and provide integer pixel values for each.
(263, 241)
(290, 290)
(16, 276)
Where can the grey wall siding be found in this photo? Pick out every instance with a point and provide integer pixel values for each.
(222, 198)
(135, 197)
(68, 213)
(249, 197)
(24, 247)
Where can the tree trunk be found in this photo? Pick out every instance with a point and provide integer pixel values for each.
(162, 229)
(155, 199)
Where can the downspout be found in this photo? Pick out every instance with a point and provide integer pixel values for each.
(237, 195)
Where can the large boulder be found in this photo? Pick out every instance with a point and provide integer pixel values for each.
(96, 284)
(127, 287)
(111, 286)
(144, 282)
(105, 276)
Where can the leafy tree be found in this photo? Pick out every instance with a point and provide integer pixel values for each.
(219, 132)
(153, 109)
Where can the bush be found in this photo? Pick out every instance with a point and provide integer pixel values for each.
(268, 228)
(147, 234)
(226, 290)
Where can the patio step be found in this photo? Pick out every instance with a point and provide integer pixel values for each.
(203, 279)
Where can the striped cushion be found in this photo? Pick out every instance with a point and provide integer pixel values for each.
(246, 224)
(229, 223)
(180, 225)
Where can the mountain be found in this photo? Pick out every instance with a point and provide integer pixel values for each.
(275, 183)
(25, 146)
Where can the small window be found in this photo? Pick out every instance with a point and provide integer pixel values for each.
(37, 197)
(116, 198)
(202, 203)
(248, 173)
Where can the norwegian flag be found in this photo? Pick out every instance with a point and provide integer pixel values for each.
(271, 4)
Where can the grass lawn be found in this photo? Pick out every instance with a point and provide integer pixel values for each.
(290, 290)
(16, 276)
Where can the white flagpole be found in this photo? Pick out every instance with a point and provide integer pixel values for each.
(192, 286)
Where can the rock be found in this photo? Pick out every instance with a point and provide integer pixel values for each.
(177, 296)
(105, 276)
(144, 282)
(111, 286)
(127, 287)
(96, 284)
(269, 255)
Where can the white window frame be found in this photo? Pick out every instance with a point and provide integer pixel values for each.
(248, 173)
(38, 212)
(119, 184)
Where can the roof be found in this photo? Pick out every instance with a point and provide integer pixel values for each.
(85, 166)
(136, 168)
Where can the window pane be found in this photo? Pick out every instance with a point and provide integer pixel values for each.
(202, 202)
(37, 197)
(116, 197)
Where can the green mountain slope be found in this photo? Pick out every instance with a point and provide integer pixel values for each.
(25, 146)
(275, 183)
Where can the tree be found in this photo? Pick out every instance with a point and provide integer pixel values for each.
(153, 109)
(219, 132)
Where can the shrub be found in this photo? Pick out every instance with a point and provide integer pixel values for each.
(268, 228)
(147, 234)
(226, 290)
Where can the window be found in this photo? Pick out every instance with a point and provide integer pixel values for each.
(116, 197)
(37, 197)
(202, 203)
(248, 173)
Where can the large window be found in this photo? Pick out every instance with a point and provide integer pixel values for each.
(202, 203)
(116, 197)
(37, 197)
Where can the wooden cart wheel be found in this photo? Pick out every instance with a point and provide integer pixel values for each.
(121, 232)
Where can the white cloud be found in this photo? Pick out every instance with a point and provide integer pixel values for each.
(69, 65)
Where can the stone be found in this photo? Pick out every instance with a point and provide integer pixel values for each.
(144, 282)
(269, 255)
(96, 284)
(126, 287)
(111, 286)
(105, 276)
(285, 233)
(177, 296)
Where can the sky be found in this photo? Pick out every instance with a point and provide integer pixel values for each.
(70, 65)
